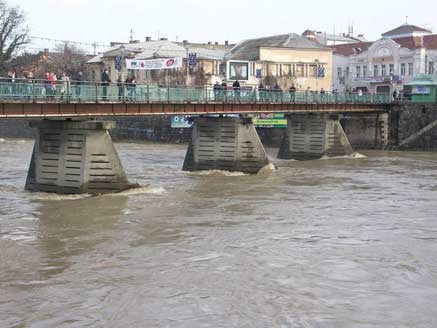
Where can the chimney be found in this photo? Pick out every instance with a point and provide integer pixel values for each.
(163, 39)
(209, 42)
(46, 52)
(185, 41)
(216, 43)
(226, 42)
(360, 35)
(148, 39)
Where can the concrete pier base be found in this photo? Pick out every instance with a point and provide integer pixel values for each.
(225, 143)
(73, 157)
(313, 136)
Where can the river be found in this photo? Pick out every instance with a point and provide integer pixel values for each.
(328, 243)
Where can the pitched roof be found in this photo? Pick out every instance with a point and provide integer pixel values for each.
(405, 29)
(416, 42)
(249, 49)
(348, 49)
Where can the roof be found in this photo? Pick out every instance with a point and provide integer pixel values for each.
(348, 49)
(249, 49)
(405, 29)
(161, 49)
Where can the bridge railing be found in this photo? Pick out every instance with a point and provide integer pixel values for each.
(74, 91)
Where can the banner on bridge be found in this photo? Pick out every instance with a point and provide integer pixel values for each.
(151, 64)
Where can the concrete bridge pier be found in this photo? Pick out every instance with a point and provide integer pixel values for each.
(313, 136)
(73, 157)
(225, 143)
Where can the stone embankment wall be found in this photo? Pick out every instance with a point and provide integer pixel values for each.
(407, 120)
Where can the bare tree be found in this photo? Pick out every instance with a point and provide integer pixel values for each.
(69, 58)
(13, 32)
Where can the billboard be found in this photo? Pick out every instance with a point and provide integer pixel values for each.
(270, 120)
(159, 63)
(238, 70)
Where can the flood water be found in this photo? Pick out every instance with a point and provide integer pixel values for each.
(328, 243)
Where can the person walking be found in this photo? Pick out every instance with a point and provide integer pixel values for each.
(105, 83)
(236, 88)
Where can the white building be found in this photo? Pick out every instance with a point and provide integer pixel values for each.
(385, 64)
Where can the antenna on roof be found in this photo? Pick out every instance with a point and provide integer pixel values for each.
(406, 20)
(131, 33)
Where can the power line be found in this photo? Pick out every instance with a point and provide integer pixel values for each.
(70, 41)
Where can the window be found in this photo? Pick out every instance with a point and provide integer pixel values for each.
(391, 69)
(383, 70)
(347, 71)
(410, 69)
(312, 70)
(431, 68)
(375, 70)
(299, 70)
(403, 69)
(339, 72)
(364, 71)
(358, 71)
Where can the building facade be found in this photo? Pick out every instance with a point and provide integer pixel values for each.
(287, 59)
(387, 64)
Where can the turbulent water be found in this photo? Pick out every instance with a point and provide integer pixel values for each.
(331, 243)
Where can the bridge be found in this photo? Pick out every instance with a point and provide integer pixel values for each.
(73, 152)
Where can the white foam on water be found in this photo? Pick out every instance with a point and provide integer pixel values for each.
(138, 191)
(218, 173)
(353, 155)
(2, 140)
(55, 197)
(269, 168)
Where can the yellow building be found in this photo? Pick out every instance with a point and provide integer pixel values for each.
(284, 59)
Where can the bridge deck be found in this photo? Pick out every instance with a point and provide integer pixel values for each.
(37, 98)
(16, 109)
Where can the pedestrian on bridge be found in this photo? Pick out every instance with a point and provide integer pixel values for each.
(236, 87)
(292, 92)
(105, 83)
(261, 92)
(278, 92)
(216, 89)
(78, 81)
(224, 90)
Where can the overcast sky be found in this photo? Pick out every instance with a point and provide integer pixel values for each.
(202, 20)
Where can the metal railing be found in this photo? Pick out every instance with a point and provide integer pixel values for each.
(61, 91)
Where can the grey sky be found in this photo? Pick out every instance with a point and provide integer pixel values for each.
(201, 20)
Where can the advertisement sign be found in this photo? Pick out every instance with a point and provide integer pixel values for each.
(238, 70)
(269, 120)
(151, 64)
(421, 90)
